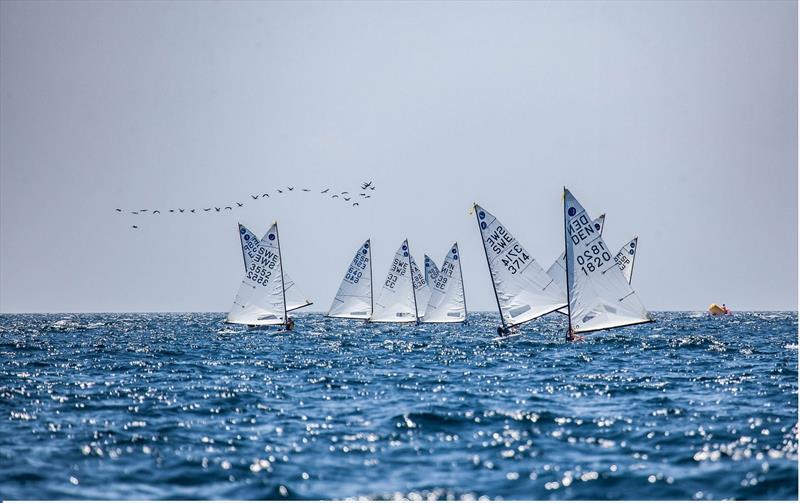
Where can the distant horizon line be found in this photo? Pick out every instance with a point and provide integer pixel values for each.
(2, 313)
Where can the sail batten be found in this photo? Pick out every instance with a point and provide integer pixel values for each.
(600, 296)
(523, 290)
(354, 298)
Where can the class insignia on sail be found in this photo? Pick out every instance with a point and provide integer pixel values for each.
(522, 289)
(599, 294)
(354, 297)
(447, 303)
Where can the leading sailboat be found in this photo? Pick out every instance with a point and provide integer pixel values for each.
(261, 299)
(522, 289)
(599, 296)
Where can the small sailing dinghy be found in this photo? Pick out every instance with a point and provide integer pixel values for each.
(294, 297)
(397, 300)
(422, 289)
(599, 295)
(625, 257)
(354, 298)
(431, 271)
(447, 303)
(558, 271)
(522, 289)
(261, 299)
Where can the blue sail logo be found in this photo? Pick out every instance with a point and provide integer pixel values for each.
(571, 212)
(271, 237)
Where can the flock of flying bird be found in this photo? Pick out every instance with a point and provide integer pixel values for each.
(344, 196)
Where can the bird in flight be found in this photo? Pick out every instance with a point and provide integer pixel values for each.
(119, 209)
(228, 208)
(156, 211)
(134, 226)
(264, 195)
(239, 204)
(134, 212)
(324, 191)
(372, 188)
(290, 188)
(366, 184)
(192, 210)
(172, 211)
(355, 204)
(206, 209)
(280, 191)
(345, 192)
(346, 198)
(367, 197)
(362, 194)
(143, 211)
(181, 210)
(306, 190)
(254, 196)
(335, 195)
(217, 208)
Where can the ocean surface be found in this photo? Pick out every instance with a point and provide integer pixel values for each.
(182, 406)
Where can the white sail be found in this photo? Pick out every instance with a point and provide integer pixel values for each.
(431, 271)
(396, 300)
(625, 257)
(294, 297)
(260, 299)
(558, 271)
(447, 303)
(599, 295)
(354, 298)
(421, 287)
(523, 290)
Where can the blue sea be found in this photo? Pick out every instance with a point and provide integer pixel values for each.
(182, 406)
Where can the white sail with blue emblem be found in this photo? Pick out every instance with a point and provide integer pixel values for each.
(354, 298)
(523, 290)
(294, 297)
(421, 288)
(260, 299)
(625, 257)
(558, 271)
(396, 301)
(599, 295)
(447, 303)
(431, 271)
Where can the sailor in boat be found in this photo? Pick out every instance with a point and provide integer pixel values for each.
(572, 336)
(503, 331)
(289, 324)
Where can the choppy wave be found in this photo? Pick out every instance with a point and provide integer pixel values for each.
(181, 406)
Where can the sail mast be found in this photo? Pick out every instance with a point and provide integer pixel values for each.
(413, 289)
(489, 265)
(566, 257)
(283, 289)
(240, 239)
(461, 273)
(371, 294)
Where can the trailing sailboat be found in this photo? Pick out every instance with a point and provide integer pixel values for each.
(422, 289)
(431, 271)
(261, 299)
(447, 303)
(625, 257)
(294, 297)
(354, 298)
(599, 295)
(397, 300)
(522, 289)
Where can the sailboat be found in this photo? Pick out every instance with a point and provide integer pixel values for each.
(431, 271)
(522, 289)
(294, 297)
(625, 257)
(397, 300)
(261, 299)
(558, 271)
(422, 289)
(447, 303)
(354, 298)
(599, 296)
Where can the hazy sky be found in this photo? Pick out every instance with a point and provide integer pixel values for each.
(677, 119)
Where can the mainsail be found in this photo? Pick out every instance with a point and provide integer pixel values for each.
(599, 296)
(294, 297)
(558, 271)
(396, 301)
(422, 290)
(447, 303)
(522, 289)
(625, 257)
(431, 271)
(354, 298)
(260, 299)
